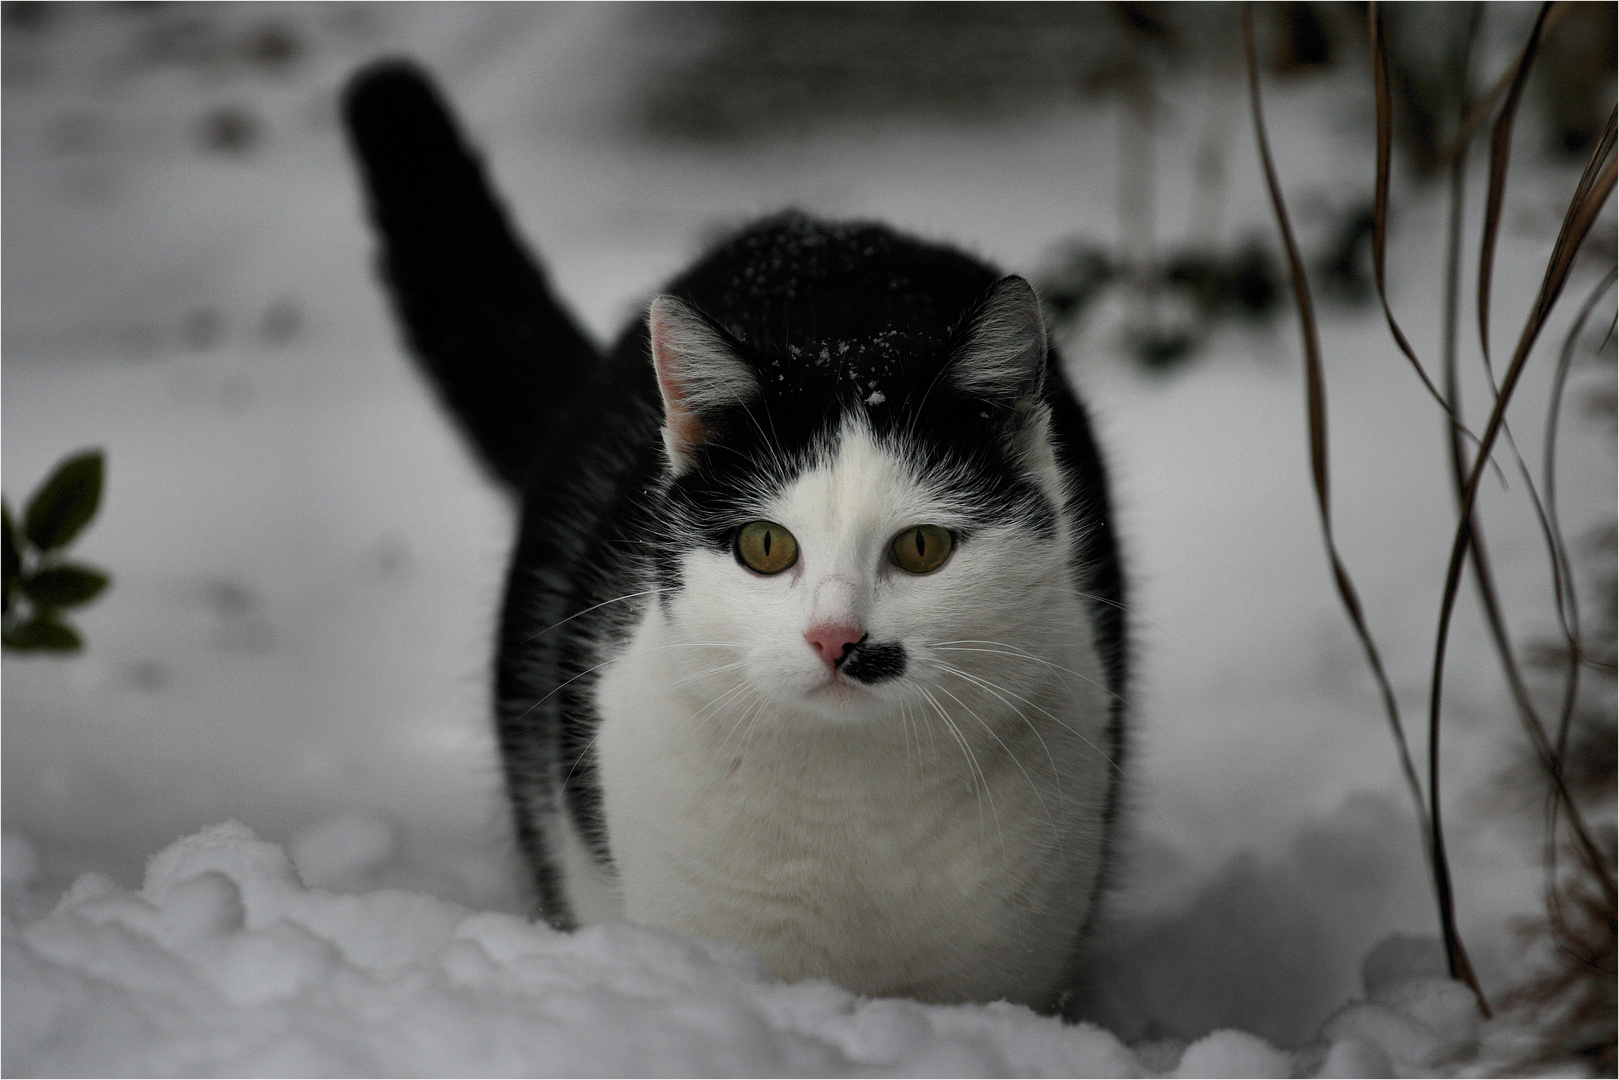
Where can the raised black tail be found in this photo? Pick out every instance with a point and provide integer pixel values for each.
(474, 304)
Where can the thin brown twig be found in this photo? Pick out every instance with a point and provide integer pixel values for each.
(1380, 205)
(1484, 578)
(1568, 612)
(1385, 139)
(1316, 415)
(1562, 572)
(1592, 193)
(1480, 112)
(1457, 177)
(1586, 178)
(1568, 617)
(1467, 533)
(1500, 155)
(1552, 757)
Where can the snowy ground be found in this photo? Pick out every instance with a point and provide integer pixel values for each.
(306, 563)
(225, 964)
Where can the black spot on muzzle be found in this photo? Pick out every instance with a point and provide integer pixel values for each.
(873, 662)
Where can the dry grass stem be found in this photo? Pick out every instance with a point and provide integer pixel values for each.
(1316, 416)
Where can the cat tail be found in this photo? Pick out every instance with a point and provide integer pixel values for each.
(477, 312)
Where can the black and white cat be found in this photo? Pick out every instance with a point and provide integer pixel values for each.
(813, 636)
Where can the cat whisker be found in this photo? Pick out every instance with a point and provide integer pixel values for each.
(915, 724)
(593, 668)
(745, 717)
(981, 781)
(1109, 602)
(998, 690)
(1004, 649)
(985, 684)
(713, 708)
(703, 645)
(742, 715)
(562, 787)
(706, 672)
(905, 733)
(559, 686)
(760, 705)
(587, 611)
(1010, 753)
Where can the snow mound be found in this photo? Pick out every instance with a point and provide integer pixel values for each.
(225, 962)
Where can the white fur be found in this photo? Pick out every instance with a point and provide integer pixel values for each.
(941, 849)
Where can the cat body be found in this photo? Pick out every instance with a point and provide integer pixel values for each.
(812, 637)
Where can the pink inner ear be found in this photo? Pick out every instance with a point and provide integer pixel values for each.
(685, 428)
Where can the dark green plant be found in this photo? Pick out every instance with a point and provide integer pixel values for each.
(39, 580)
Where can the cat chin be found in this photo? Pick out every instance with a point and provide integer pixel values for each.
(827, 702)
(846, 702)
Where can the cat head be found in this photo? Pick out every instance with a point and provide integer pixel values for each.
(839, 543)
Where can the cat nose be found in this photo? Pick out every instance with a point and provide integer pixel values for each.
(834, 640)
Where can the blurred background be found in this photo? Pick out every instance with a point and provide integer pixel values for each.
(306, 561)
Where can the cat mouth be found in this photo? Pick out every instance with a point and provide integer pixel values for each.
(836, 685)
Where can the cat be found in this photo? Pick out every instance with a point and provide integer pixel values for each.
(813, 634)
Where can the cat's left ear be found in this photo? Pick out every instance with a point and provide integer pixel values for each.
(698, 375)
(1003, 356)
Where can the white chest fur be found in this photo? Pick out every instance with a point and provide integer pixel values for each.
(942, 854)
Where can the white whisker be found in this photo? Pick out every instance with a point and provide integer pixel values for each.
(1039, 796)
(985, 684)
(587, 611)
(997, 689)
(981, 781)
(1003, 649)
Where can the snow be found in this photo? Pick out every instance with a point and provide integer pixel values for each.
(306, 565)
(225, 963)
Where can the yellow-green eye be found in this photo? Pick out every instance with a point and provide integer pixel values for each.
(766, 547)
(920, 549)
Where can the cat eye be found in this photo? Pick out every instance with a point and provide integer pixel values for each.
(765, 547)
(921, 549)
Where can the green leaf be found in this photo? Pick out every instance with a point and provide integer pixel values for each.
(65, 585)
(13, 562)
(44, 633)
(66, 502)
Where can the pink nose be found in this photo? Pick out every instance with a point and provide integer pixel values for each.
(832, 642)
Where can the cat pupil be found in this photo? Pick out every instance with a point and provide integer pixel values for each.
(767, 543)
(920, 543)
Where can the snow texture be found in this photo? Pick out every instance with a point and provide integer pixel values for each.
(226, 963)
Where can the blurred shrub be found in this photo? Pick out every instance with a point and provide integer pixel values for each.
(1574, 80)
(1342, 269)
(39, 580)
(738, 70)
(719, 71)
(1570, 996)
(1242, 284)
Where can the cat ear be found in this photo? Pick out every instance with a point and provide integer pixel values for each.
(698, 374)
(1004, 356)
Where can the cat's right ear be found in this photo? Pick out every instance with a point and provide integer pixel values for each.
(698, 375)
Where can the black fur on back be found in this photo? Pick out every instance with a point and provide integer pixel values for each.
(832, 317)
